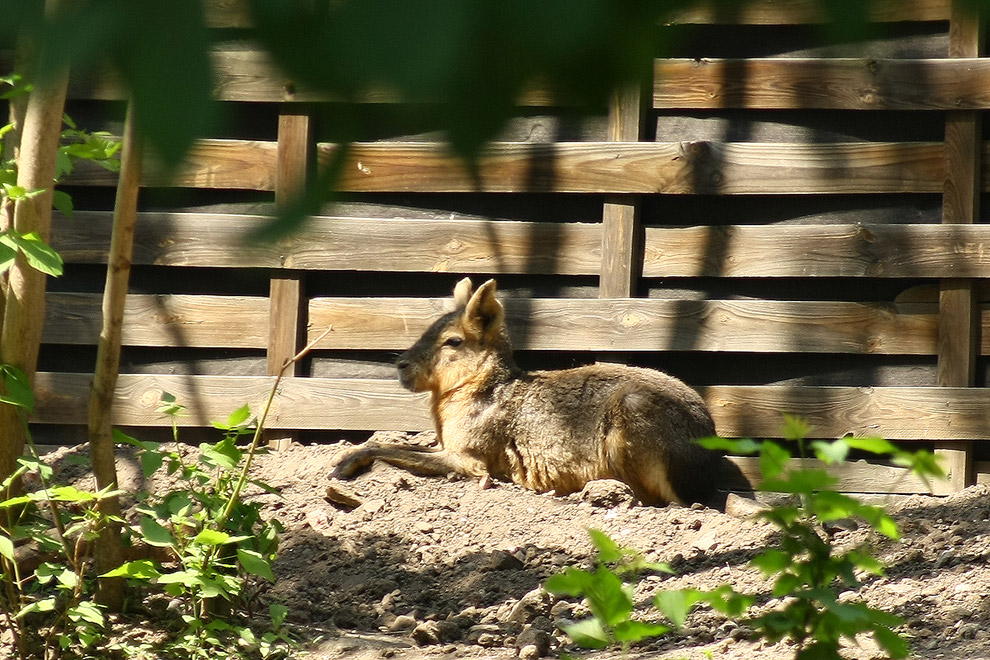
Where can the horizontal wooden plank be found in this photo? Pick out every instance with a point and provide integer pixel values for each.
(661, 167)
(675, 168)
(852, 476)
(783, 12)
(244, 74)
(218, 164)
(834, 84)
(897, 413)
(190, 321)
(331, 243)
(301, 403)
(852, 250)
(761, 326)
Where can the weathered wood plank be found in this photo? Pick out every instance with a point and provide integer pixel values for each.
(762, 326)
(220, 164)
(191, 321)
(836, 84)
(330, 243)
(853, 476)
(661, 167)
(851, 250)
(676, 168)
(784, 12)
(898, 413)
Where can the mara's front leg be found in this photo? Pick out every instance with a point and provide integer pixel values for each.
(427, 461)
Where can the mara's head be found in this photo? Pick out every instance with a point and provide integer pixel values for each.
(464, 345)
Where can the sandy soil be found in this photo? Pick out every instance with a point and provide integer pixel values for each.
(430, 568)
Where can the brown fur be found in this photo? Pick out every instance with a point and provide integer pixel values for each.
(546, 430)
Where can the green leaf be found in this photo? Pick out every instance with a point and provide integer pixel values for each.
(895, 645)
(795, 428)
(155, 534)
(800, 482)
(141, 569)
(255, 564)
(634, 631)
(18, 389)
(239, 416)
(675, 605)
(62, 201)
(831, 452)
(608, 550)
(773, 460)
(87, 611)
(46, 605)
(608, 599)
(224, 454)
(33, 464)
(212, 537)
(744, 446)
(277, 612)
(6, 547)
(572, 582)
(771, 561)
(872, 445)
(39, 254)
(7, 256)
(588, 634)
(163, 59)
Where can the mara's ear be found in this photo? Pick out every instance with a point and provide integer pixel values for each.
(484, 314)
(462, 293)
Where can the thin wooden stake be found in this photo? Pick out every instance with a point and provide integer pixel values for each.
(109, 553)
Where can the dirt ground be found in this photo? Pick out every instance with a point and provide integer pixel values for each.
(434, 568)
(430, 568)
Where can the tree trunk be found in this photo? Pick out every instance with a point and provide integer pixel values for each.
(24, 309)
(108, 548)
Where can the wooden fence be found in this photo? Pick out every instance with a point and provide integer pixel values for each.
(743, 219)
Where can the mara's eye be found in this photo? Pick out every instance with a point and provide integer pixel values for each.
(453, 342)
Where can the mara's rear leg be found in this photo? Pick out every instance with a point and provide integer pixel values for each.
(650, 444)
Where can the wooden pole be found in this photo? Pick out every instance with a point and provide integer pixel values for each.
(24, 307)
(108, 549)
(621, 241)
(287, 313)
(959, 336)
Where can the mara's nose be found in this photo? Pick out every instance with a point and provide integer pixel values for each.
(402, 364)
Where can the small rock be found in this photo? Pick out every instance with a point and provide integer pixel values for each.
(530, 652)
(435, 632)
(426, 633)
(402, 623)
(487, 640)
(341, 496)
(503, 560)
(607, 493)
(531, 605)
(536, 638)
(741, 507)
(562, 609)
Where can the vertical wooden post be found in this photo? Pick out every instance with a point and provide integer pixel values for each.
(621, 262)
(287, 311)
(958, 338)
